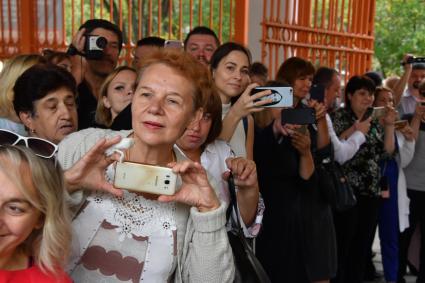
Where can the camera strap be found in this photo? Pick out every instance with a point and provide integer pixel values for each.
(72, 50)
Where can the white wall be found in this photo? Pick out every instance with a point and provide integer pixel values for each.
(255, 29)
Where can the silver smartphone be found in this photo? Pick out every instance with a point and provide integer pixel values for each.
(145, 178)
(378, 112)
(281, 96)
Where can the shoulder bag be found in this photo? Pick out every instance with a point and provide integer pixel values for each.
(248, 267)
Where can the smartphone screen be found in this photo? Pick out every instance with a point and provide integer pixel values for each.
(317, 92)
(301, 116)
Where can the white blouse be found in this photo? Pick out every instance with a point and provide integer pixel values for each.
(238, 140)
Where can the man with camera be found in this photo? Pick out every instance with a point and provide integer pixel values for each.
(414, 73)
(95, 50)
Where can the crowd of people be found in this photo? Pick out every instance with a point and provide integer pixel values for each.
(64, 116)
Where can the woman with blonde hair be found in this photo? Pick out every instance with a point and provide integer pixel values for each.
(35, 232)
(116, 94)
(13, 68)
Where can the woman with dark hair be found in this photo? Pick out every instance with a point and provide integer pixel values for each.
(45, 102)
(199, 143)
(12, 69)
(297, 225)
(355, 227)
(230, 70)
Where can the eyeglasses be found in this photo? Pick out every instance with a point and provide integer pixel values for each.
(40, 147)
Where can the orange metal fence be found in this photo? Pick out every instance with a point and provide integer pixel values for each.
(334, 33)
(32, 25)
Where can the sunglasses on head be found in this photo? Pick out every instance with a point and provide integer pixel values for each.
(40, 147)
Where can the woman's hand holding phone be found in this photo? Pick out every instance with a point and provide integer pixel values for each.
(283, 130)
(363, 126)
(247, 104)
(320, 109)
(195, 190)
(408, 133)
(390, 116)
(89, 171)
(302, 142)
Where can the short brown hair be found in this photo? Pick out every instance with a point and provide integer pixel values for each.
(294, 68)
(188, 67)
(54, 57)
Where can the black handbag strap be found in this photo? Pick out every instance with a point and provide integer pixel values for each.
(256, 265)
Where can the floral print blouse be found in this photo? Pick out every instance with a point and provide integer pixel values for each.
(362, 171)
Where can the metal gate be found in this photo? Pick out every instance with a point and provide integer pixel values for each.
(333, 33)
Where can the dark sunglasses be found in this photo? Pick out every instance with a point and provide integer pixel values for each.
(40, 147)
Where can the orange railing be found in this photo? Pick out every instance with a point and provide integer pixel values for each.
(32, 25)
(334, 33)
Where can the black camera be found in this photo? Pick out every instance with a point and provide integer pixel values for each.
(94, 46)
(412, 59)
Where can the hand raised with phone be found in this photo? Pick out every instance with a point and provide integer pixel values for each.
(89, 171)
(247, 103)
(195, 190)
(320, 109)
(363, 125)
(301, 142)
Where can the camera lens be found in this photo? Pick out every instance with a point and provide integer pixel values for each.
(167, 182)
(101, 42)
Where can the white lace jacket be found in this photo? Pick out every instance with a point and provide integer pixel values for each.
(132, 238)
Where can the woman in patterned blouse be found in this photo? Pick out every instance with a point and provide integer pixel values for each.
(355, 227)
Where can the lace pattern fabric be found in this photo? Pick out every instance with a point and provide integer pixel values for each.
(135, 215)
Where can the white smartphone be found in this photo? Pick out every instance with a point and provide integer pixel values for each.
(281, 96)
(378, 112)
(145, 178)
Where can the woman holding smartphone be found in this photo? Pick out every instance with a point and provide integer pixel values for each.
(393, 216)
(180, 237)
(297, 223)
(230, 71)
(355, 227)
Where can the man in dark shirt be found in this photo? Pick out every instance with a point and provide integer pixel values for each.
(94, 71)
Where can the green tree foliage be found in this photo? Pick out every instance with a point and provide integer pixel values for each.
(158, 9)
(399, 29)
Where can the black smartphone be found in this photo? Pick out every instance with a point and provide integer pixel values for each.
(301, 116)
(367, 114)
(317, 92)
